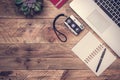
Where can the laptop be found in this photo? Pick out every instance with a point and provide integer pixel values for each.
(103, 16)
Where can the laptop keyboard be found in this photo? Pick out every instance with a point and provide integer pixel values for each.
(111, 8)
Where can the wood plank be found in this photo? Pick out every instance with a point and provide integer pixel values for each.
(88, 75)
(41, 50)
(58, 75)
(34, 31)
(19, 63)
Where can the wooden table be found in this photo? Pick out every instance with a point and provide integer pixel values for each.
(29, 49)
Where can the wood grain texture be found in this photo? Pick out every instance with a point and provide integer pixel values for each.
(29, 49)
(33, 31)
(58, 75)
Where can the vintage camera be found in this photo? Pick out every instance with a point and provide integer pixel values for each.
(74, 25)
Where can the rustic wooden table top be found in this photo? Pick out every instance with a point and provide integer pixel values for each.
(29, 49)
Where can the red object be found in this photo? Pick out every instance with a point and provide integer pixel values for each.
(58, 3)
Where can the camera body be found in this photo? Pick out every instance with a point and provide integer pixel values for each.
(74, 25)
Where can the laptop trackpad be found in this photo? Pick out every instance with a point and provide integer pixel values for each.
(97, 20)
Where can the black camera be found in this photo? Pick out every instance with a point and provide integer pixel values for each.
(74, 25)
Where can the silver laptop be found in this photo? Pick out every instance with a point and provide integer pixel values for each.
(103, 16)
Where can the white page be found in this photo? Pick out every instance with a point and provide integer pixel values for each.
(85, 48)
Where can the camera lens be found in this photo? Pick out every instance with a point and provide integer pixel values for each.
(73, 25)
(69, 21)
(77, 29)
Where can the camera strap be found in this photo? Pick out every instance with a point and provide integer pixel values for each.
(62, 37)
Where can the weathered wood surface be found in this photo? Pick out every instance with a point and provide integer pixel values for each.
(58, 75)
(29, 49)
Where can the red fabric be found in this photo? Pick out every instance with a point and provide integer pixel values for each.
(58, 3)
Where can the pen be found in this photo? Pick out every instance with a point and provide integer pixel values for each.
(101, 58)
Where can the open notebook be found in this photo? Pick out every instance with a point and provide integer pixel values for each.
(89, 50)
